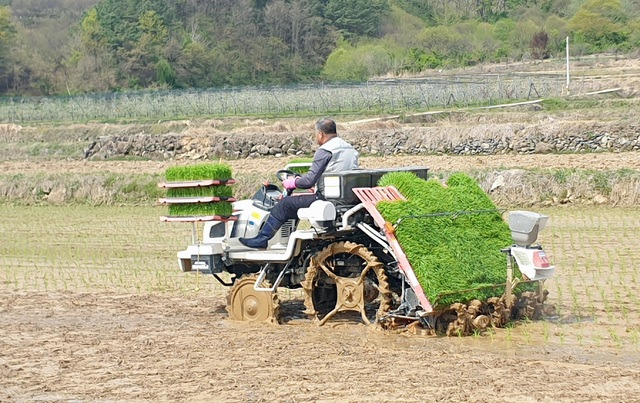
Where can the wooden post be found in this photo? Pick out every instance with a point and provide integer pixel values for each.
(509, 284)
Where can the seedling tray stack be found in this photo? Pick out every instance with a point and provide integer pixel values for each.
(452, 235)
(198, 193)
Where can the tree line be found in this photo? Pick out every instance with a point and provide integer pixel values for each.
(77, 46)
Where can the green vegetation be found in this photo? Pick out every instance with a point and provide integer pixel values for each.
(201, 209)
(449, 252)
(7, 35)
(116, 45)
(452, 34)
(197, 172)
(220, 191)
(555, 104)
(300, 170)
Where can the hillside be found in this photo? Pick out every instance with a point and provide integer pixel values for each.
(76, 46)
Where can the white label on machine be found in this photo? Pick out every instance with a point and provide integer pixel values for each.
(332, 186)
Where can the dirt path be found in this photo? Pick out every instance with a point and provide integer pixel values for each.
(595, 161)
(59, 346)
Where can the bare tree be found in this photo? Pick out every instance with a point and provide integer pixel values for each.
(539, 44)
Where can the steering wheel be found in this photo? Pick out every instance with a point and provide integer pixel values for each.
(284, 174)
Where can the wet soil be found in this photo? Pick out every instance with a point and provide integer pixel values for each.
(67, 346)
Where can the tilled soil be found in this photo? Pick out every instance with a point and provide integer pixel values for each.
(67, 346)
(595, 161)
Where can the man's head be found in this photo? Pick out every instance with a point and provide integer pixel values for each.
(325, 130)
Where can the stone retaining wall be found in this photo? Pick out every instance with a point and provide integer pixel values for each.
(543, 137)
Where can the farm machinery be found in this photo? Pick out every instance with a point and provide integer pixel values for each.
(346, 257)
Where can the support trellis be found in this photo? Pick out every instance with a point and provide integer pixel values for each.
(383, 96)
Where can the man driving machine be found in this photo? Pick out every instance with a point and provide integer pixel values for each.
(333, 155)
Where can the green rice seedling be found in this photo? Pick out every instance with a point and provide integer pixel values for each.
(602, 293)
(509, 330)
(613, 334)
(576, 304)
(491, 333)
(201, 209)
(558, 298)
(300, 170)
(448, 251)
(635, 338)
(574, 268)
(609, 311)
(545, 332)
(561, 335)
(200, 172)
(218, 191)
(597, 339)
(625, 313)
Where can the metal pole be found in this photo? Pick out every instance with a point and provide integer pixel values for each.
(568, 75)
(509, 285)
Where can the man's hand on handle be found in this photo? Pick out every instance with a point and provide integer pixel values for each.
(289, 183)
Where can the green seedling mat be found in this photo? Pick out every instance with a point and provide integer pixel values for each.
(201, 209)
(456, 257)
(200, 172)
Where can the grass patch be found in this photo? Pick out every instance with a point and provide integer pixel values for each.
(450, 252)
(557, 104)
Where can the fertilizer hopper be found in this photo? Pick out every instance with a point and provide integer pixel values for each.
(525, 225)
(532, 260)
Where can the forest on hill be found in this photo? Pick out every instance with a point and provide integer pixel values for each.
(50, 47)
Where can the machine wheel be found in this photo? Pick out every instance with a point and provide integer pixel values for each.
(346, 276)
(246, 304)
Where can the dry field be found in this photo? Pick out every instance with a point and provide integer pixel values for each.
(93, 307)
(269, 165)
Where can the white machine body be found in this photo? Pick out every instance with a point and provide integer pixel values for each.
(219, 237)
(532, 262)
(321, 214)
